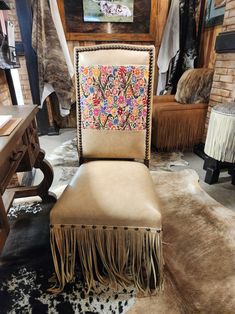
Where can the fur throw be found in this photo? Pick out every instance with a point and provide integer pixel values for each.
(194, 86)
(52, 67)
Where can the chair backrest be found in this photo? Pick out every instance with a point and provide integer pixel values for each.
(114, 90)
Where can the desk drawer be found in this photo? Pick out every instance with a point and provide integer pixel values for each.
(33, 149)
(12, 161)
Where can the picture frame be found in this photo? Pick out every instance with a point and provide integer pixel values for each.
(214, 13)
(143, 27)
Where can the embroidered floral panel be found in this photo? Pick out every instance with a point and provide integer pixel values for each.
(114, 97)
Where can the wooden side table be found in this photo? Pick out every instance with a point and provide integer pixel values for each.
(20, 151)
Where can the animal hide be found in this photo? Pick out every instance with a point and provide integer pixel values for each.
(198, 248)
(199, 243)
(52, 66)
(194, 86)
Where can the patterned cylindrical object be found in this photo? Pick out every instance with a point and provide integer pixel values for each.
(220, 140)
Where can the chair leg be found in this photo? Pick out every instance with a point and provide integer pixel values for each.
(231, 171)
(146, 162)
(212, 168)
(212, 175)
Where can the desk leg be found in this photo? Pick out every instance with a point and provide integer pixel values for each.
(48, 174)
(4, 225)
(41, 189)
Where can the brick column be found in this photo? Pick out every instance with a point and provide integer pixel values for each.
(223, 87)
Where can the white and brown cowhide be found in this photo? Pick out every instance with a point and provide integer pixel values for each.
(199, 244)
(198, 248)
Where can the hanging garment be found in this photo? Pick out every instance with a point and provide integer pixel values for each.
(60, 32)
(187, 54)
(170, 44)
(2, 23)
(54, 75)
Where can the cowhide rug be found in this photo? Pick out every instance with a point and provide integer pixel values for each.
(199, 253)
(26, 271)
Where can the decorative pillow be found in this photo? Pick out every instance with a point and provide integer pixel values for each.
(194, 86)
(114, 97)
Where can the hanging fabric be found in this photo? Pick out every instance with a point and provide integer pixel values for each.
(54, 74)
(179, 46)
(170, 44)
(187, 53)
(60, 32)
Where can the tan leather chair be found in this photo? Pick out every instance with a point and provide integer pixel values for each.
(177, 126)
(109, 213)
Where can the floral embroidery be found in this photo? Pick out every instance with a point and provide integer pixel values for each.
(114, 97)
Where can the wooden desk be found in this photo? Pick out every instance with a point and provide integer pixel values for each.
(20, 151)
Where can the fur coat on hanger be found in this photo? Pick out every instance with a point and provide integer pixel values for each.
(53, 71)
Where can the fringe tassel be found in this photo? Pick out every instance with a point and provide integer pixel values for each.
(220, 140)
(111, 255)
(179, 132)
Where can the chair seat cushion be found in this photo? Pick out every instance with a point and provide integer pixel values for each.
(111, 193)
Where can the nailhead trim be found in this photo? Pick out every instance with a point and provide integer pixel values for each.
(108, 227)
(79, 112)
(148, 118)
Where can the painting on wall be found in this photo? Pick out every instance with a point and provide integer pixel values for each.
(108, 11)
(109, 20)
(214, 12)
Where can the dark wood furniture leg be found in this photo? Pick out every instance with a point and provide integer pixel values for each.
(231, 171)
(212, 168)
(4, 225)
(42, 188)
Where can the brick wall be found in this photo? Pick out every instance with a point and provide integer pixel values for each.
(229, 16)
(223, 87)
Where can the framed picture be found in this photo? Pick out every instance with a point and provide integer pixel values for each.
(109, 20)
(214, 12)
(108, 11)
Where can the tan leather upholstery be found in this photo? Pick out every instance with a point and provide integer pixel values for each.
(177, 126)
(121, 143)
(111, 144)
(110, 193)
(113, 56)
